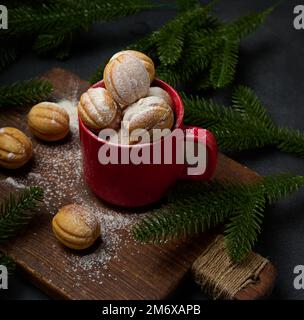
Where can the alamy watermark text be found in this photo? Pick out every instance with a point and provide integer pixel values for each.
(298, 21)
(3, 17)
(3, 277)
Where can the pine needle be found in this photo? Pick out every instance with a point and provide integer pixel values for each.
(56, 17)
(51, 24)
(247, 24)
(223, 65)
(241, 233)
(195, 42)
(170, 43)
(199, 206)
(17, 210)
(291, 141)
(249, 106)
(187, 213)
(245, 126)
(279, 186)
(60, 43)
(24, 93)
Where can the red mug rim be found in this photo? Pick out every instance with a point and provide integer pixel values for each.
(178, 112)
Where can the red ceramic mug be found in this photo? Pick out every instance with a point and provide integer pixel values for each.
(135, 185)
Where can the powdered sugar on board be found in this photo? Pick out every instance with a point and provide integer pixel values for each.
(57, 168)
(14, 183)
(70, 106)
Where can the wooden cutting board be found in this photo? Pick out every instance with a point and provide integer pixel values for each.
(117, 267)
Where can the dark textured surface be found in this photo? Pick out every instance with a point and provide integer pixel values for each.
(272, 64)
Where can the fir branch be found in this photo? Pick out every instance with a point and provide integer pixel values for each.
(239, 135)
(170, 38)
(215, 43)
(241, 233)
(244, 126)
(59, 43)
(146, 45)
(171, 75)
(224, 63)
(24, 92)
(205, 112)
(195, 59)
(291, 141)
(279, 186)
(199, 206)
(195, 42)
(247, 103)
(52, 23)
(170, 43)
(246, 25)
(192, 208)
(177, 48)
(17, 211)
(54, 17)
(232, 130)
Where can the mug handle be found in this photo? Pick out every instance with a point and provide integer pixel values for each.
(201, 135)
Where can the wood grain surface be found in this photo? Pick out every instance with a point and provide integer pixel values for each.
(135, 271)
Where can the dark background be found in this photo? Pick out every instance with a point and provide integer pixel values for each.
(272, 63)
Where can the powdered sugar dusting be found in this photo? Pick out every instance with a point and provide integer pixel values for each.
(11, 156)
(99, 105)
(70, 106)
(13, 183)
(127, 79)
(145, 113)
(159, 92)
(57, 168)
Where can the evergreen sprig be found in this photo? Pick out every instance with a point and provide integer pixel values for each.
(17, 210)
(244, 226)
(24, 92)
(291, 141)
(223, 63)
(196, 44)
(200, 206)
(246, 125)
(248, 24)
(51, 25)
(59, 44)
(54, 17)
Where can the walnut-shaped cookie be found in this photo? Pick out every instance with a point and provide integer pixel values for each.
(148, 63)
(15, 148)
(159, 92)
(148, 113)
(76, 227)
(98, 110)
(48, 121)
(127, 79)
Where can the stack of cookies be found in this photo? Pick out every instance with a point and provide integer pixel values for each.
(127, 98)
